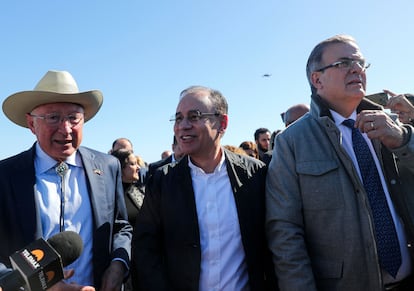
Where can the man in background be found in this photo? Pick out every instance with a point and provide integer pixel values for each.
(262, 139)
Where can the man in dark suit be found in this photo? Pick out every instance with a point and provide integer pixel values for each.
(84, 194)
(201, 226)
(176, 155)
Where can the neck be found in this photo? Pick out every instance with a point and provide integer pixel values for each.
(207, 162)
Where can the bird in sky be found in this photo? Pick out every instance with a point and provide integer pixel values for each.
(266, 75)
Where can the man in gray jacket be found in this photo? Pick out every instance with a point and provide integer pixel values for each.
(324, 226)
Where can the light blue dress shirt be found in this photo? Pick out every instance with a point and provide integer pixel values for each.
(77, 212)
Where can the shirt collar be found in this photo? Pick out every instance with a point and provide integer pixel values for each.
(199, 171)
(338, 118)
(44, 162)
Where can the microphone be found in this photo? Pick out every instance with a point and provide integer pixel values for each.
(39, 265)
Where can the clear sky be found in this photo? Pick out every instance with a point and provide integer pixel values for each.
(141, 54)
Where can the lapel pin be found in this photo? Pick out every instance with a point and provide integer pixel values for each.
(97, 171)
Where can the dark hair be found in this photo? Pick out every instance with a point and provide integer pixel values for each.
(122, 155)
(118, 139)
(315, 57)
(260, 131)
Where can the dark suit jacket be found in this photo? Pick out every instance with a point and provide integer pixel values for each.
(20, 225)
(166, 241)
(154, 166)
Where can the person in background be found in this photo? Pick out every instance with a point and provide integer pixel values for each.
(121, 143)
(236, 150)
(294, 113)
(403, 105)
(262, 139)
(134, 190)
(176, 155)
(339, 186)
(201, 226)
(165, 154)
(59, 185)
(250, 148)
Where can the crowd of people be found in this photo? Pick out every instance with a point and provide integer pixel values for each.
(323, 204)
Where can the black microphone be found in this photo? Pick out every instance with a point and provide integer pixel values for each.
(39, 265)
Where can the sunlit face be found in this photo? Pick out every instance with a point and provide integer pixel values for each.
(130, 170)
(61, 140)
(198, 138)
(263, 141)
(341, 87)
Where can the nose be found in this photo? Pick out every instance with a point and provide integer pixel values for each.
(357, 67)
(65, 126)
(185, 123)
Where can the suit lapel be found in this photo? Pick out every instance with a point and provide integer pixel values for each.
(23, 183)
(94, 172)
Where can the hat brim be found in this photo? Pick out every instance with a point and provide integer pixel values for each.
(17, 105)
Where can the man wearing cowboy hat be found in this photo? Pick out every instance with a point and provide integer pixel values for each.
(83, 194)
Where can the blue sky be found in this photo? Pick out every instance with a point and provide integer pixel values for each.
(141, 54)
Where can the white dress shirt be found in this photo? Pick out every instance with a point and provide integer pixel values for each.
(223, 265)
(405, 268)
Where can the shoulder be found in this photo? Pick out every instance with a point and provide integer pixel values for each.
(19, 159)
(96, 157)
(243, 161)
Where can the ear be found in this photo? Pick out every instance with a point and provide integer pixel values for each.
(316, 81)
(29, 121)
(223, 123)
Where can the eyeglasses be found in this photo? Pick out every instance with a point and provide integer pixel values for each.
(55, 118)
(346, 64)
(192, 116)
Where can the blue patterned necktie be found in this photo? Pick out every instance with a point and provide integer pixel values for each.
(386, 236)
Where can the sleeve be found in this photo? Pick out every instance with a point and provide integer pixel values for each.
(122, 230)
(285, 222)
(148, 268)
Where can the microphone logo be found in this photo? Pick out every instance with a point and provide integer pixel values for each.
(50, 275)
(38, 254)
(33, 258)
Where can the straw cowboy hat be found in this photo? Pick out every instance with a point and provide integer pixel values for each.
(54, 87)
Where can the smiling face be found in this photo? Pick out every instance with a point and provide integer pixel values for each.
(199, 138)
(342, 88)
(61, 140)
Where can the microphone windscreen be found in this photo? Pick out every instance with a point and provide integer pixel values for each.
(68, 244)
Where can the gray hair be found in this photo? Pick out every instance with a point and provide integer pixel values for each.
(315, 57)
(218, 100)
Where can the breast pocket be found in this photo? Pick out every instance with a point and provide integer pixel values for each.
(319, 182)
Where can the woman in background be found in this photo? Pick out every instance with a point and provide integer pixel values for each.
(134, 190)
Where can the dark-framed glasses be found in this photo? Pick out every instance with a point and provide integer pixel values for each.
(56, 118)
(346, 64)
(192, 116)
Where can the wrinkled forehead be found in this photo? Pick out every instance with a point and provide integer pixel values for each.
(59, 106)
(342, 50)
(199, 100)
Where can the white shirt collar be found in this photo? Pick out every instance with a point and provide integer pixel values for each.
(199, 171)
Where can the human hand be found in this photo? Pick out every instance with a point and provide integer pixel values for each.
(113, 276)
(63, 286)
(378, 125)
(400, 105)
